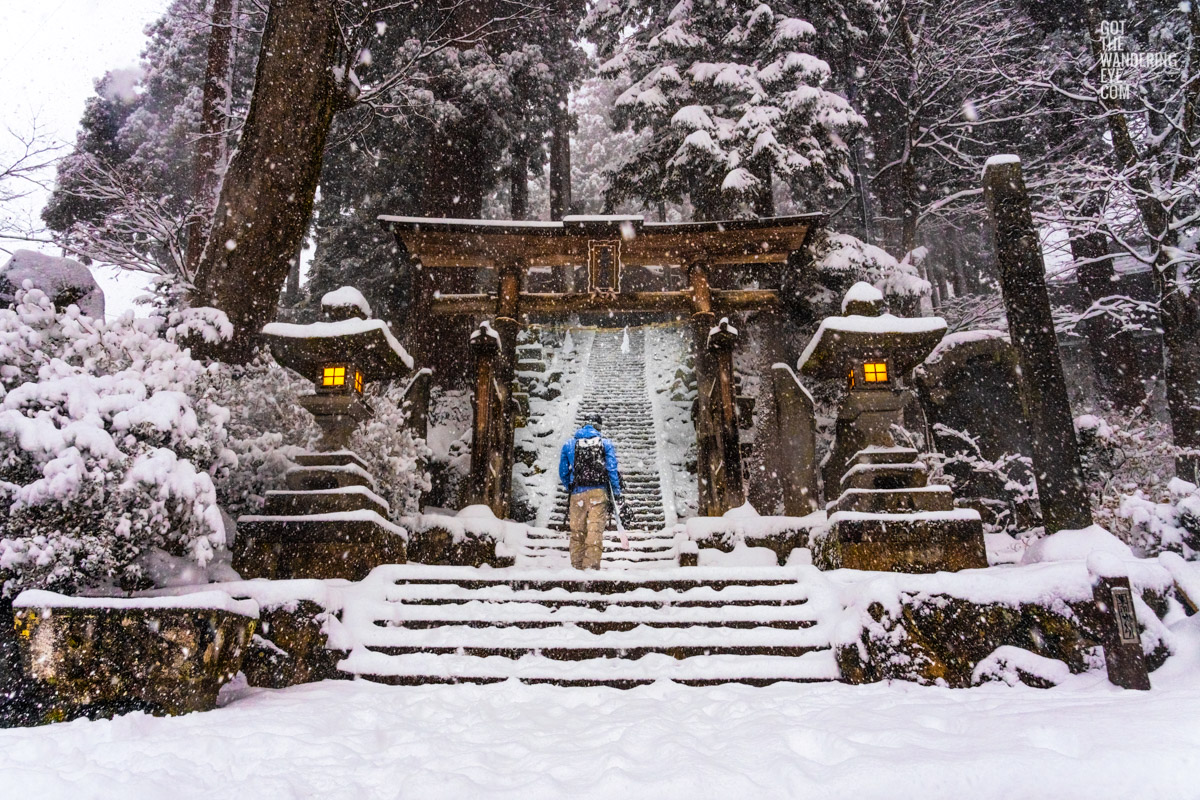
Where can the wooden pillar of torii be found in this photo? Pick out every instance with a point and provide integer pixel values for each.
(494, 347)
(719, 475)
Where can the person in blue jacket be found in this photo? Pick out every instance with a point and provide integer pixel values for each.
(588, 470)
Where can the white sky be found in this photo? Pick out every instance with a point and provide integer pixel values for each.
(51, 52)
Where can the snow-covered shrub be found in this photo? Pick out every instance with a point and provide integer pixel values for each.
(395, 457)
(1128, 463)
(1173, 524)
(974, 311)
(450, 445)
(104, 451)
(1012, 501)
(267, 427)
(117, 449)
(843, 255)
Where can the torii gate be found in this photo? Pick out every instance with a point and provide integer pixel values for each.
(606, 245)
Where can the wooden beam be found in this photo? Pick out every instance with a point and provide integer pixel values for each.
(723, 301)
(489, 244)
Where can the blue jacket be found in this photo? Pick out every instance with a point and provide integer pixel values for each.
(566, 461)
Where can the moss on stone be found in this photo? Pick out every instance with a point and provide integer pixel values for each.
(97, 661)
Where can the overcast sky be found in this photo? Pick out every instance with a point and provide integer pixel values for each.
(51, 52)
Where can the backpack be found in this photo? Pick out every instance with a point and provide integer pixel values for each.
(590, 469)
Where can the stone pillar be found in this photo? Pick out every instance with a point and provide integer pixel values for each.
(702, 415)
(1031, 327)
(507, 309)
(416, 400)
(1112, 350)
(795, 443)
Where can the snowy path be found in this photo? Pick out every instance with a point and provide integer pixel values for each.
(614, 385)
(362, 741)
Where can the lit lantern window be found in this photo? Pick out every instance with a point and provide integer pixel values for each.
(333, 376)
(358, 381)
(875, 372)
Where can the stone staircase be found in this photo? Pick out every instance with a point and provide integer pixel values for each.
(615, 387)
(410, 624)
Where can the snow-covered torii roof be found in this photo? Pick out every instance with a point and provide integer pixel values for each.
(488, 244)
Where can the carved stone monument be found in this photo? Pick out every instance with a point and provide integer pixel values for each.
(329, 522)
(885, 516)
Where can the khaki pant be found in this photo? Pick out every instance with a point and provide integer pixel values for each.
(588, 517)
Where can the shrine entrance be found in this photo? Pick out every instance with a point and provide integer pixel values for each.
(606, 250)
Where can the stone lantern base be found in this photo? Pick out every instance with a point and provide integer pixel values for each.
(329, 523)
(888, 519)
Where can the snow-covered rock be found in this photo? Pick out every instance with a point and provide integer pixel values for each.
(1014, 665)
(1075, 545)
(346, 297)
(64, 280)
(1171, 525)
(861, 292)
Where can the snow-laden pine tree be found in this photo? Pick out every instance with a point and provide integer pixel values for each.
(733, 97)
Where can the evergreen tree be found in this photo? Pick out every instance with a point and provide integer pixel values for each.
(733, 98)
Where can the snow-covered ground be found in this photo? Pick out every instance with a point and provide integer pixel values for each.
(362, 741)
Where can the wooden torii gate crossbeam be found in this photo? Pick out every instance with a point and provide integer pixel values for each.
(606, 245)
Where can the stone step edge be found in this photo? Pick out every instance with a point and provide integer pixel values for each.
(815, 665)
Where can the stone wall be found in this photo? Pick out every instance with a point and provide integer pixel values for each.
(102, 661)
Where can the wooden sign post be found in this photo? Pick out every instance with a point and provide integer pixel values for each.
(1122, 639)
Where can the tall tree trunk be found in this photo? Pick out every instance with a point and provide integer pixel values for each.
(560, 156)
(1114, 357)
(518, 184)
(908, 168)
(1178, 304)
(858, 158)
(454, 184)
(291, 288)
(1056, 463)
(764, 198)
(267, 195)
(210, 153)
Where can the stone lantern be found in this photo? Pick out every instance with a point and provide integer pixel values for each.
(341, 354)
(329, 522)
(884, 515)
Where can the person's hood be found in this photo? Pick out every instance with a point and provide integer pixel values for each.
(587, 432)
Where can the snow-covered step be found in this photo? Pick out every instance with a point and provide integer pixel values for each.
(635, 545)
(415, 668)
(416, 624)
(573, 641)
(551, 559)
(556, 561)
(574, 580)
(528, 611)
(697, 596)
